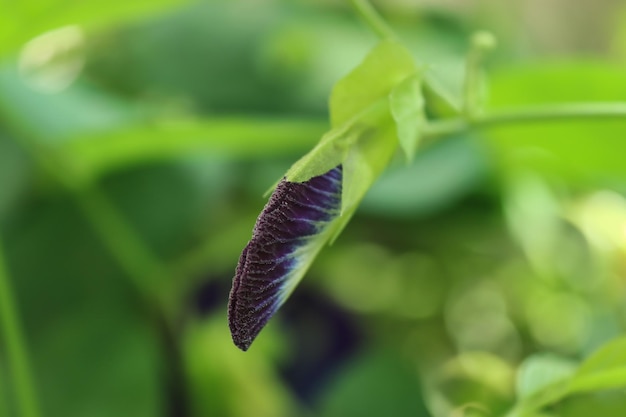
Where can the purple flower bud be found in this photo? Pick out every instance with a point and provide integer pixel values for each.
(285, 239)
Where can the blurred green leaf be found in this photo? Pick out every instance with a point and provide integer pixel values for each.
(541, 370)
(167, 220)
(441, 175)
(20, 21)
(605, 404)
(228, 382)
(332, 45)
(4, 402)
(478, 377)
(534, 217)
(532, 405)
(96, 133)
(407, 108)
(94, 350)
(577, 150)
(172, 59)
(605, 369)
(13, 176)
(51, 118)
(376, 385)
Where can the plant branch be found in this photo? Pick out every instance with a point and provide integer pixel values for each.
(141, 267)
(145, 271)
(11, 331)
(151, 279)
(373, 19)
(527, 115)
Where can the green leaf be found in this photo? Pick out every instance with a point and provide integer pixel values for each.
(477, 377)
(52, 118)
(375, 385)
(97, 133)
(20, 21)
(235, 375)
(326, 155)
(539, 371)
(388, 64)
(530, 406)
(407, 108)
(441, 174)
(4, 400)
(14, 174)
(605, 404)
(93, 352)
(605, 369)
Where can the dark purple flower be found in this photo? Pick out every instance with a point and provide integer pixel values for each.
(287, 235)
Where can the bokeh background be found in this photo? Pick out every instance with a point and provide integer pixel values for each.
(137, 139)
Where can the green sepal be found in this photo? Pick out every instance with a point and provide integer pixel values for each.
(354, 103)
(364, 135)
(327, 154)
(406, 101)
(388, 64)
(364, 163)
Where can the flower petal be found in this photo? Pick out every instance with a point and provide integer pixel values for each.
(287, 236)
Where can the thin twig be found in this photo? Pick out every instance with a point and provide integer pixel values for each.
(527, 115)
(373, 19)
(12, 334)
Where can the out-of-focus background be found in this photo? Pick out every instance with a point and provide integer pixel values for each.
(137, 139)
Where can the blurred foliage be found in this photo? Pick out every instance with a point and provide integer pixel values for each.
(486, 277)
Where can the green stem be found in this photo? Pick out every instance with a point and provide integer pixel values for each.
(4, 403)
(150, 277)
(535, 114)
(144, 270)
(373, 19)
(12, 334)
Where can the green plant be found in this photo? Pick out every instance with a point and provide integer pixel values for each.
(388, 102)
